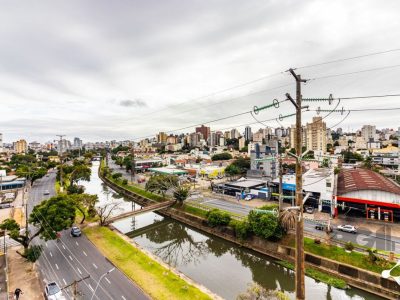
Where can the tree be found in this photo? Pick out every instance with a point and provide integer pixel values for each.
(53, 215)
(180, 194)
(265, 225)
(216, 217)
(13, 229)
(257, 292)
(85, 203)
(221, 156)
(105, 211)
(80, 172)
(161, 183)
(232, 170)
(368, 163)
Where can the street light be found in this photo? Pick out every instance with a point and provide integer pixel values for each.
(98, 283)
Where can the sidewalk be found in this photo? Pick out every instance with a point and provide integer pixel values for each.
(22, 274)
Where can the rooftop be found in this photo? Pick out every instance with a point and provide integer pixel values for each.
(362, 179)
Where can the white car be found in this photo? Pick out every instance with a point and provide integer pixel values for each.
(347, 228)
(53, 292)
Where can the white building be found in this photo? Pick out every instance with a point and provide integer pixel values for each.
(368, 132)
(1, 142)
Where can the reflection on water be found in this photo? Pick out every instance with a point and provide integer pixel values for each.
(221, 266)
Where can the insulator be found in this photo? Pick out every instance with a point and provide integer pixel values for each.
(255, 110)
(276, 103)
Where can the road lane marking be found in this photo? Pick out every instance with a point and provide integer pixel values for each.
(107, 280)
(57, 267)
(64, 281)
(84, 253)
(76, 243)
(123, 297)
(63, 247)
(94, 266)
(51, 254)
(46, 244)
(79, 271)
(70, 257)
(91, 287)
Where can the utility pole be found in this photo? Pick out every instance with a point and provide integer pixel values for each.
(61, 159)
(299, 259)
(133, 162)
(280, 184)
(74, 285)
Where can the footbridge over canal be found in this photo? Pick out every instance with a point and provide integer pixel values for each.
(149, 208)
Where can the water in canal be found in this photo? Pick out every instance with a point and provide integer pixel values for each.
(221, 266)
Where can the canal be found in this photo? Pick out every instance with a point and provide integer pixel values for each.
(221, 266)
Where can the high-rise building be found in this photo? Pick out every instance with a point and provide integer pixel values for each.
(258, 137)
(171, 140)
(292, 135)
(316, 135)
(78, 143)
(242, 142)
(235, 134)
(21, 146)
(263, 159)
(204, 130)
(1, 142)
(368, 132)
(162, 138)
(247, 133)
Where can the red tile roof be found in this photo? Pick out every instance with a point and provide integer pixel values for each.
(362, 179)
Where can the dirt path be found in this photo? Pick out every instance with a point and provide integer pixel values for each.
(22, 274)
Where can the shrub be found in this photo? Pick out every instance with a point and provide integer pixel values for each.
(372, 255)
(242, 229)
(116, 176)
(349, 246)
(33, 253)
(265, 225)
(125, 182)
(222, 156)
(216, 217)
(269, 207)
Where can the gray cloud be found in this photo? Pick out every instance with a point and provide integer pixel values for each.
(62, 62)
(133, 103)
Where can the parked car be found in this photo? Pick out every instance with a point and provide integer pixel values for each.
(323, 227)
(309, 209)
(347, 228)
(75, 231)
(249, 197)
(46, 192)
(53, 292)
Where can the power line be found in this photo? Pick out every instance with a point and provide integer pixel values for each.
(348, 58)
(355, 72)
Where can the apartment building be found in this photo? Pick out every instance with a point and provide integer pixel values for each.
(316, 135)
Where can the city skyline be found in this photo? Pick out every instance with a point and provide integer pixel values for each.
(106, 78)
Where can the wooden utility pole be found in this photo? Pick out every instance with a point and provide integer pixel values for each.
(133, 162)
(61, 160)
(280, 208)
(74, 285)
(299, 259)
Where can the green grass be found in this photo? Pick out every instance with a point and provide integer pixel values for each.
(156, 280)
(354, 258)
(194, 211)
(319, 276)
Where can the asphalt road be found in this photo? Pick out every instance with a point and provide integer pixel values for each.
(75, 258)
(380, 240)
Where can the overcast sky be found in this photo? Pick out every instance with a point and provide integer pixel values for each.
(103, 70)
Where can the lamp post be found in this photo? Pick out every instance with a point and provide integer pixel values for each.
(98, 283)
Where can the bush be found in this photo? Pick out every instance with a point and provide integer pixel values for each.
(242, 229)
(265, 225)
(33, 253)
(269, 207)
(216, 217)
(125, 182)
(116, 176)
(349, 246)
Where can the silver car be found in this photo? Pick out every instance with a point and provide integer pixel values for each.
(53, 292)
(347, 228)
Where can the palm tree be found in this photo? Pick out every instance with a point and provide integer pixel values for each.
(287, 219)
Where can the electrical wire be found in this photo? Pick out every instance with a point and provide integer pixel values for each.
(348, 58)
(354, 72)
